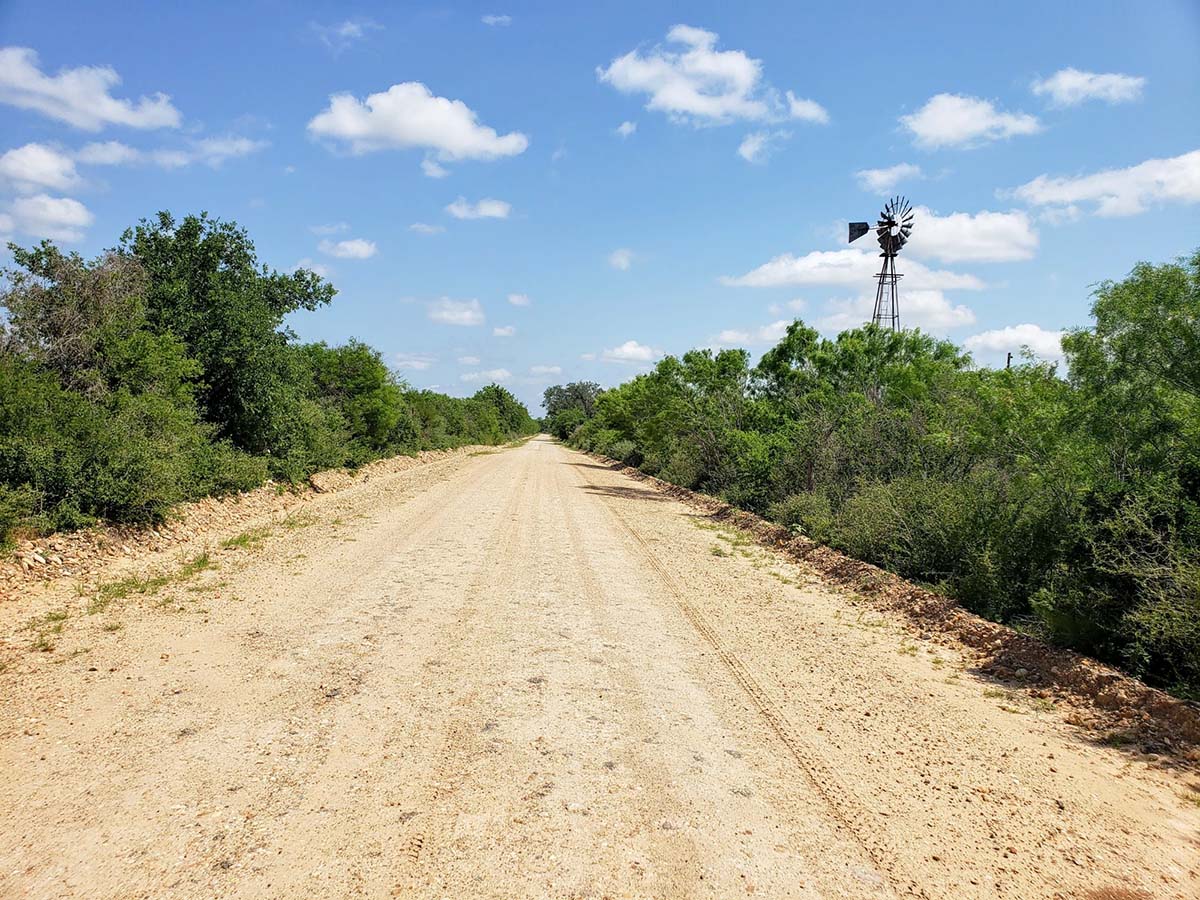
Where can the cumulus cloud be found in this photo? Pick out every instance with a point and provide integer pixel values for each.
(354, 248)
(806, 110)
(433, 169)
(954, 120)
(692, 81)
(973, 237)
(409, 116)
(456, 312)
(487, 208)
(519, 299)
(1070, 87)
(468, 360)
(43, 216)
(845, 267)
(504, 330)
(493, 19)
(423, 228)
(1042, 342)
(765, 334)
(208, 151)
(1120, 192)
(621, 258)
(417, 362)
(80, 97)
(925, 309)
(758, 145)
(625, 129)
(545, 370)
(341, 36)
(631, 352)
(884, 181)
(488, 375)
(37, 167)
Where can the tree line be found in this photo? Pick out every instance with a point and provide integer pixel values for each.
(1065, 503)
(163, 371)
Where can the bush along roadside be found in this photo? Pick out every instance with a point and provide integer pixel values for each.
(163, 371)
(1065, 503)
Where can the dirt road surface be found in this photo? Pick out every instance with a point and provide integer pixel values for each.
(520, 674)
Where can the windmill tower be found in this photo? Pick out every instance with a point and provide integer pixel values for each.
(892, 230)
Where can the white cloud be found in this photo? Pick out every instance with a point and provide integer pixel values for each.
(625, 129)
(587, 356)
(214, 151)
(925, 309)
(488, 375)
(79, 96)
(432, 169)
(354, 248)
(329, 228)
(487, 208)
(315, 267)
(1070, 87)
(456, 312)
(519, 299)
(692, 81)
(410, 116)
(1121, 192)
(38, 166)
(1044, 343)
(496, 20)
(758, 145)
(972, 237)
(504, 330)
(209, 151)
(621, 258)
(545, 370)
(417, 362)
(765, 334)
(883, 181)
(631, 352)
(108, 153)
(953, 120)
(342, 35)
(797, 305)
(56, 218)
(846, 267)
(806, 110)
(422, 228)
(468, 360)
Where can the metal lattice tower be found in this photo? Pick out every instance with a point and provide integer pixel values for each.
(892, 230)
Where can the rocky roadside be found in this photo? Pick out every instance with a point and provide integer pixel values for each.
(1112, 707)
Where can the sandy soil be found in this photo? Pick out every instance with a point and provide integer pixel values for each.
(520, 674)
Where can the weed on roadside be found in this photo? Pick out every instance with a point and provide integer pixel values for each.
(247, 540)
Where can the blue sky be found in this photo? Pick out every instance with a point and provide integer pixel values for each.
(640, 178)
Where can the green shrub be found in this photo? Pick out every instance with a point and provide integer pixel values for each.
(808, 512)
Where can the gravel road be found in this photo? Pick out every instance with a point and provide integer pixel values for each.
(520, 674)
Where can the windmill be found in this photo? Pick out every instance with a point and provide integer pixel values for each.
(892, 230)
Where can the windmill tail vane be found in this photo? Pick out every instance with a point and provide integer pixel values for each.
(892, 230)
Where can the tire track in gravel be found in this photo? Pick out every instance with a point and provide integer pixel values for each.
(818, 776)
